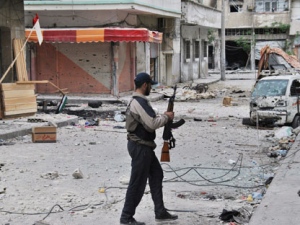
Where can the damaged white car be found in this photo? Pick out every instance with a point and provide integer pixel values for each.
(275, 100)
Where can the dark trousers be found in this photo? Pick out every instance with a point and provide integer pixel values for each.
(144, 165)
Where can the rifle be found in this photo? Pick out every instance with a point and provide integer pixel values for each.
(169, 140)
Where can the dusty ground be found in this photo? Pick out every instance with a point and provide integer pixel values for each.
(214, 166)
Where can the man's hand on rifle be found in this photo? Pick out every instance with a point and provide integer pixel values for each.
(170, 115)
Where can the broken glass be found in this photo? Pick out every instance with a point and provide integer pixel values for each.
(270, 88)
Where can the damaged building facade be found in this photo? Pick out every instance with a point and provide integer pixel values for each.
(82, 53)
(253, 24)
(176, 49)
(200, 42)
(11, 27)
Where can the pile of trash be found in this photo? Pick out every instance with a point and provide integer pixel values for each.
(241, 215)
(283, 139)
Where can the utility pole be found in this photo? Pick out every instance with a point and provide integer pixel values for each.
(223, 41)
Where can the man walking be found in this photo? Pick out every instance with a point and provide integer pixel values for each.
(141, 123)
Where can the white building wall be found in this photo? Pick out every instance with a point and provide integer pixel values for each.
(200, 15)
(92, 18)
(295, 18)
(165, 8)
(197, 20)
(170, 53)
(193, 68)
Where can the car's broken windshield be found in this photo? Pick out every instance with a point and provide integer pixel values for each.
(270, 88)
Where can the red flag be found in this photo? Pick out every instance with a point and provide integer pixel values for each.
(36, 26)
(35, 19)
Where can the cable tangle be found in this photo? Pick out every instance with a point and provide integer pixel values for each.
(220, 180)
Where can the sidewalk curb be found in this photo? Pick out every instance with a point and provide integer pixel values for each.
(26, 131)
(280, 204)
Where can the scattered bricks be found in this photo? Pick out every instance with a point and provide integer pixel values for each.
(227, 101)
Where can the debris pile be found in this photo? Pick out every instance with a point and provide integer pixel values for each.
(283, 139)
(184, 94)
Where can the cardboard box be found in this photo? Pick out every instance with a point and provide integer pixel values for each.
(45, 134)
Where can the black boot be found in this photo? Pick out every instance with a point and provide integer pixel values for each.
(165, 216)
(133, 222)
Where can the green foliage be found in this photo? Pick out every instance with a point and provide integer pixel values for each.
(281, 26)
(210, 36)
(244, 44)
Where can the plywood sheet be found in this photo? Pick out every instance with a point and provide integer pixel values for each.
(18, 93)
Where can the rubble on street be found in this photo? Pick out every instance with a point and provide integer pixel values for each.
(220, 172)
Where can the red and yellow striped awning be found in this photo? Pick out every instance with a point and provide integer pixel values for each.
(96, 35)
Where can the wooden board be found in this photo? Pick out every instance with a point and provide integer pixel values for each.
(20, 62)
(14, 87)
(17, 112)
(20, 106)
(18, 93)
(18, 100)
(11, 101)
(1, 105)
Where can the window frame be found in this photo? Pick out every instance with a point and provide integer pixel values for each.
(187, 50)
(196, 50)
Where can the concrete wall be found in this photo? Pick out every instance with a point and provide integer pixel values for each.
(92, 18)
(295, 18)
(200, 15)
(165, 8)
(257, 18)
(193, 68)
(170, 53)
(11, 26)
(197, 21)
(266, 20)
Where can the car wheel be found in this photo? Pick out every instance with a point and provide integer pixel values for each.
(296, 122)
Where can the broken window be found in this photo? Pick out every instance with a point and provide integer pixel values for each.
(295, 88)
(236, 8)
(270, 88)
(236, 5)
(270, 5)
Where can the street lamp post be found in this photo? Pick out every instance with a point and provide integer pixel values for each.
(223, 42)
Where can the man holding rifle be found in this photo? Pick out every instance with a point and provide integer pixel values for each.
(141, 123)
